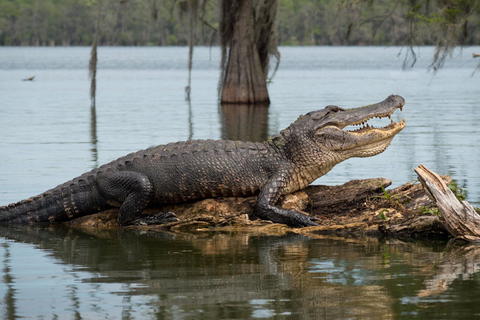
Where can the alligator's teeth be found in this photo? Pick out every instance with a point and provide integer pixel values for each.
(401, 108)
(389, 117)
(391, 121)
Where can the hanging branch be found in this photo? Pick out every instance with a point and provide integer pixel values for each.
(266, 36)
(189, 9)
(192, 12)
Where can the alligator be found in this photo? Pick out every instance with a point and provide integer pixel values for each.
(192, 170)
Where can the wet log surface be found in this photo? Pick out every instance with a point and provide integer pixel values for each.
(356, 208)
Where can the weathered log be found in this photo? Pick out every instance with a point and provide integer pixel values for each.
(349, 197)
(476, 55)
(416, 227)
(358, 207)
(460, 218)
(372, 210)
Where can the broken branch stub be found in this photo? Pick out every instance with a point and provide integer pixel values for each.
(461, 219)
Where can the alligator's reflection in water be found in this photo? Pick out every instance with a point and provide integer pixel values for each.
(235, 275)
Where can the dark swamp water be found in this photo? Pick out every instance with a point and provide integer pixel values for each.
(48, 135)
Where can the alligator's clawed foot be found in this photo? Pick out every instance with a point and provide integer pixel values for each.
(156, 218)
(300, 220)
(291, 218)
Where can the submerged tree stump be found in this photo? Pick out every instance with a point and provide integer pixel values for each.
(244, 79)
(460, 218)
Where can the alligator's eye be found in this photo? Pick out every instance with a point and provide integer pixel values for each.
(324, 113)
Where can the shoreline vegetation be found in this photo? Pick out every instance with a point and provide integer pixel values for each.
(158, 23)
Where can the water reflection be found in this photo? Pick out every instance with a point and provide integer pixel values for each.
(460, 260)
(241, 275)
(93, 134)
(190, 120)
(244, 122)
(9, 297)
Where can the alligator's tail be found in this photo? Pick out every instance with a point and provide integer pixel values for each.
(67, 201)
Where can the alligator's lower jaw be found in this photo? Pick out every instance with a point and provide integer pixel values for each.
(371, 149)
(371, 141)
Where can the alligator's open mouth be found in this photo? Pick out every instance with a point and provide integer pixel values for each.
(374, 122)
(361, 132)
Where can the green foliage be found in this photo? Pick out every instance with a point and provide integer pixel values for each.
(382, 215)
(300, 22)
(394, 200)
(430, 211)
(72, 22)
(457, 191)
(387, 196)
(171, 40)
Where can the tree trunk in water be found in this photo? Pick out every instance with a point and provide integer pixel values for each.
(244, 79)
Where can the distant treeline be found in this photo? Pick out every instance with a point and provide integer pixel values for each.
(157, 23)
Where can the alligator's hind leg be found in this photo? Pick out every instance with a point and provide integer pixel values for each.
(132, 191)
(127, 189)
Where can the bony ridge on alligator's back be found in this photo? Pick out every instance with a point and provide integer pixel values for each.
(193, 170)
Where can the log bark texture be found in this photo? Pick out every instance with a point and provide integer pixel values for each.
(460, 218)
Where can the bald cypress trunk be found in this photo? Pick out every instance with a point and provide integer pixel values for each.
(244, 78)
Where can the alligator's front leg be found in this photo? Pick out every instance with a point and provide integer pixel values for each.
(132, 191)
(265, 206)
